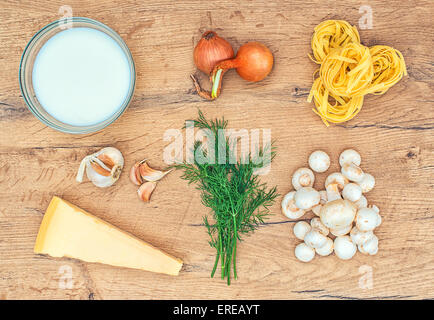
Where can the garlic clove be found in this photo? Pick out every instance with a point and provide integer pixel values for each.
(107, 160)
(135, 173)
(110, 156)
(149, 174)
(98, 179)
(82, 169)
(100, 167)
(145, 190)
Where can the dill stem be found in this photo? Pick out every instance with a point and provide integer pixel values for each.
(234, 254)
(223, 257)
(217, 257)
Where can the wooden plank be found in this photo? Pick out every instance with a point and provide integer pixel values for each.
(394, 133)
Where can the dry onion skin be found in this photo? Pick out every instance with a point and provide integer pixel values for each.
(349, 71)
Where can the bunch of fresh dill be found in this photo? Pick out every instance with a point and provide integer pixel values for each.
(231, 189)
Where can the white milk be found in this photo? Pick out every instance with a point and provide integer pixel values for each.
(81, 76)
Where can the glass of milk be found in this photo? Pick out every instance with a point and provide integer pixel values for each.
(77, 76)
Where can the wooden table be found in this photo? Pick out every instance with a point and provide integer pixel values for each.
(394, 134)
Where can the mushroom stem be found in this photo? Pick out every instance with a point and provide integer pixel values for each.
(333, 192)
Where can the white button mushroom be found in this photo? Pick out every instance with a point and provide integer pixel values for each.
(342, 231)
(326, 249)
(303, 177)
(288, 207)
(315, 239)
(370, 246)
(345, 249)
(367, 219)
(336, 177)
(350, 156)
(352, 172)
(317, 224)
(367, 183)
(359, 237)
(319, 161)
(322, 201)
(304, 253)
(362, 202)
(377, 210)
(307, 197)
(338, 214)
(301, 228)
(352, 192)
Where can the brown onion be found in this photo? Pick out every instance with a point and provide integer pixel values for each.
(210, 50)
(253, 62)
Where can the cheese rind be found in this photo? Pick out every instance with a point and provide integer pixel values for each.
(68, 231)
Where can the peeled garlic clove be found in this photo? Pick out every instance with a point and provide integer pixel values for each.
(103, 168)
(145, 190)
(149, 174)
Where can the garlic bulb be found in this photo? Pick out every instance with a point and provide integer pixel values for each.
(103, 168)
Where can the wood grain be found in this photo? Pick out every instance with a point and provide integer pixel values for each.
(394, 133)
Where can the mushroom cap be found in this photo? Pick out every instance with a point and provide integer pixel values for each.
(350, 156)
(362, 202)
(288, 207)
(326, 249)
(352, 192)
(303, 177)
(342, 231)
(338, 214)
(336, 177)
(318, 225)
(370, 246)
(315, 239)
(307, 197)
(367, 219)
(375, 208)
(367, 183)
(317, 209)
(352, 172)
(300, 229)
(345, 249)
(319, 161)
(304, 253)
(360, 237)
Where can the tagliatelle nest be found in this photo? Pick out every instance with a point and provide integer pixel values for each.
(349, 70)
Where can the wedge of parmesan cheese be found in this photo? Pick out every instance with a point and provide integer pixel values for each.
(68, 231)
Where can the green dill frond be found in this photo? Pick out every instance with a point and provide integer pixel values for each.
(239, 202)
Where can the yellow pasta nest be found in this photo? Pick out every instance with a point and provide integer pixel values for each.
(331, 34)
(349, 71)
